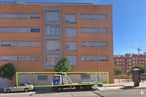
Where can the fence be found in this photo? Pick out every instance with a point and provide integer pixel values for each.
(44, 79)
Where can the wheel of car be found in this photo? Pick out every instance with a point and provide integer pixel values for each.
(8, 91)
(26, 90)
(59, 89)
(87, 88)
(78, 87)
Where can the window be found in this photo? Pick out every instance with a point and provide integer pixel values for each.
(19, 43)
(93, 16)
(53, 30)
(19, 29)
(42, 77)
(85, 76)
(72, 59)
(53, 45)
(52, 16)
(117, 63)
(102, 58)
(70, 18)
(93, 30)
(52, 59)
(94, 44)
(19, 16)
(27, 44)
(71, 46)
(8, 58)
(28, 58)
(101, 44)
(35, 30)
(89, 58)
(35, 44)
(4, 44)
(71, 32)
(19, 58)
(129, 60)
(94, 58)
(88, 44)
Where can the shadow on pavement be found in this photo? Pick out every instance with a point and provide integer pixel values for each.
(49, 90)
(132, 87)
(43, 90)
(128, 87)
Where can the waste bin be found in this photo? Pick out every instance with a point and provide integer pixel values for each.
(136, 76)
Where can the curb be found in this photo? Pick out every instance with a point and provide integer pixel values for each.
(132, 87)
(113, 86)
(99, 94)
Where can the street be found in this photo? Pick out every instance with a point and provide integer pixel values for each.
(53, 94)
(95, 93)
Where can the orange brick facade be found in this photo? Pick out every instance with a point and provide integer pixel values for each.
(77, 9)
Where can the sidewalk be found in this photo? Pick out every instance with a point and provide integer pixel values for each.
(125, 82)
(122, 84)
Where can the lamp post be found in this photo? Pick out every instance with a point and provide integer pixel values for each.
(97, 58)
(97, 49)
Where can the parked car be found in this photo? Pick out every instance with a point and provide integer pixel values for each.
(23, 87)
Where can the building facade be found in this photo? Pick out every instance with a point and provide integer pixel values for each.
(34, 36)
(127, 61)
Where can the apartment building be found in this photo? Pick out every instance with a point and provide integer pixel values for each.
(125, 62)
(35, 36)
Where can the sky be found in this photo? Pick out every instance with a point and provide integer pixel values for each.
(129, 22)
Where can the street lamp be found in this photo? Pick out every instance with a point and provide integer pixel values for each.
(97, 59)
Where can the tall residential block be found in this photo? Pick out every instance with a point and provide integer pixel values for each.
(35, 36)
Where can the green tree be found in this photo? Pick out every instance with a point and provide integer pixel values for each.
(63, 66)
(141, 67)
(7, 70)
(129, 72)
(118, 71)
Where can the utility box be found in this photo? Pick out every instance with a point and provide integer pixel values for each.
(136, 76)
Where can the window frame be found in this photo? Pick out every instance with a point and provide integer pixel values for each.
(54, 20)
(96, 30)
(68, 21)
(20, 16)
(93, 18)
(73, 59)
(73, 36)
(87, 58)
(69, 48)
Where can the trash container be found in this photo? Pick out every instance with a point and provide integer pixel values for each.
(136, 76)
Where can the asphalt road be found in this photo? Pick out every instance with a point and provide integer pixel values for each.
(123, 93)
(99, 93)
(55, 94)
